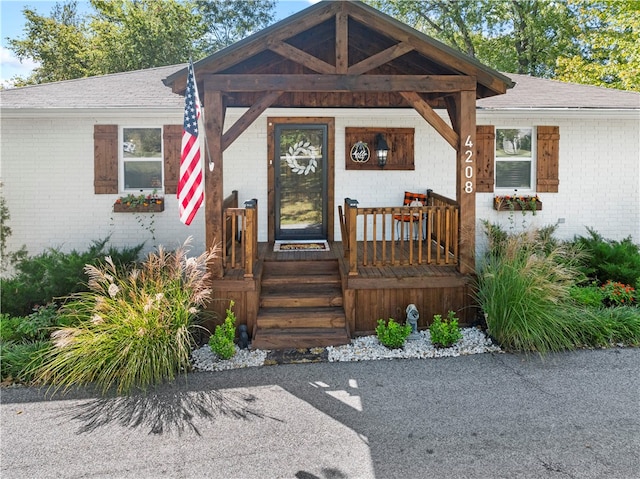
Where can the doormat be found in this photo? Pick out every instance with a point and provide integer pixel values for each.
(284, 246)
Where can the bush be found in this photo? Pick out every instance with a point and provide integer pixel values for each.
(53, 274)
(602, 327)
(618, 261)
(392, 334)
(524, 292)
(221, 341)
(591, 296)
(618, 294)
(18, 361)
(445, 332)
(134, 326)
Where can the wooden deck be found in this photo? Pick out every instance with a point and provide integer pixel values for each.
(379, 291)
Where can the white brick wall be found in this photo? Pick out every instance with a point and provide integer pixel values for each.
(47, 171)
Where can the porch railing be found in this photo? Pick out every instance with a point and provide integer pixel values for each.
(240, 230)
(427, 236)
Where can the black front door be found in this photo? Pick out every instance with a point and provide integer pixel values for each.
(301, 181)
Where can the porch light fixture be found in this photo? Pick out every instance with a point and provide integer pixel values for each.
(382, 150)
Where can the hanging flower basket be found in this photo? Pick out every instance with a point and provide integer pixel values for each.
(517, 203)
(139, 204)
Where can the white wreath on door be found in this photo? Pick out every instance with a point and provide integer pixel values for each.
(300, 150)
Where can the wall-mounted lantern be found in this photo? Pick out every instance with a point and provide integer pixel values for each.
(382, 150)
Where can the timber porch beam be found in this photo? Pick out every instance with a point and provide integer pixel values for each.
(340, 83)
(248, 118)
(380, 58)
(426, 112)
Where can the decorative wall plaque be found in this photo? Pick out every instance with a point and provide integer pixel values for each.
(360, 152)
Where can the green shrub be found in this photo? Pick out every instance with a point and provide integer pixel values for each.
(9, 328)
(524, 292)
(618, 294)
(603, 327)
(591, 296)
(618, 261)
(392, 334)
(445, 332)
(19, 360)
(53, 274)
(221, 341)
(134, 326)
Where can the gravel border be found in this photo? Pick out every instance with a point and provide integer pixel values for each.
(365, 348)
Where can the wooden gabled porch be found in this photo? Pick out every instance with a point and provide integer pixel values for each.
(306, 298)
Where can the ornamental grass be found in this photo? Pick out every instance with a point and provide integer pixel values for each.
(134, 327)
(525, 292)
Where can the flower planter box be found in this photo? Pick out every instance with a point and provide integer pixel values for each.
(514, 205)
(154, 206)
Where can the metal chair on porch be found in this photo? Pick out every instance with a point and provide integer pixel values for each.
(404, 221)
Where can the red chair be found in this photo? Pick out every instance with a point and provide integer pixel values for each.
(411, 199)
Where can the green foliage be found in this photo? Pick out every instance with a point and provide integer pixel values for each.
(7, 258)
(525, 292)
(608, 259)
(134, 327)
(126, 35)
(608, 38)
(53, 274)
(19, 360)
(135, 34)
(591, 295)
(524, 36)
(221, 341)
(9, 328)
(231, 20)
(618, 294)
(392, 334)
(604, 327)
(445, 332)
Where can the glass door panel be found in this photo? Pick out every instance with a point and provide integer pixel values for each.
(301, 182)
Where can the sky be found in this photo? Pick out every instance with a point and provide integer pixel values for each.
(12, 26)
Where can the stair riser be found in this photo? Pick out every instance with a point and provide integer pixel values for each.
(302, 302)
(292, 321)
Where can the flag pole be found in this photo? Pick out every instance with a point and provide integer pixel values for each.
(204, 129)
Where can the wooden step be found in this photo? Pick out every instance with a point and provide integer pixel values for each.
(301, 296)
(302, 318)
(295, 338)
(300, 306)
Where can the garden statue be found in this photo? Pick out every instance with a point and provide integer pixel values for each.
(412, 320)
(243, 342)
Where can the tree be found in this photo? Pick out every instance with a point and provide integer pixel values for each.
(609, 43)
(125, 35)
(228, 21)
(136, 34)
(519, 36)
(59, 43)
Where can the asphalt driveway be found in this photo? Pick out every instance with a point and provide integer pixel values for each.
(573, 415)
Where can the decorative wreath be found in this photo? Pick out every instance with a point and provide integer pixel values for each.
(302, 149)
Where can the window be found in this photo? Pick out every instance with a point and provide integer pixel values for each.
(142, 159)
(514, 158)
(546, 151)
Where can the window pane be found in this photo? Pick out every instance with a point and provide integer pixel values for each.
(513, 174)
(142, 142)
(513, 142)
(142, 174)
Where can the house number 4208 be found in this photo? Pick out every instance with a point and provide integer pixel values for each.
(468, 169)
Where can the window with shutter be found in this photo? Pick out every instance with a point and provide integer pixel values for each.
(138, 164)
(546, 154)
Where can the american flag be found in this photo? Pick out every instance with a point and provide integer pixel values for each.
(190, 186)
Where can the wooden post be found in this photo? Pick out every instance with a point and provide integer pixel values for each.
(466, 177)
(249, 236)
(214, 112)
(352, 216)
